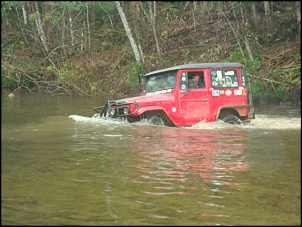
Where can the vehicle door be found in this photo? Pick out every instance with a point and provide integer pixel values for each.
(193, 101)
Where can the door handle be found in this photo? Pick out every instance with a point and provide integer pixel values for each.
(205, 100)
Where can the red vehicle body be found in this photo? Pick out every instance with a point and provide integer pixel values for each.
(169, 96)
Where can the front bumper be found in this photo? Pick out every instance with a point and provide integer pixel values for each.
(116, 109)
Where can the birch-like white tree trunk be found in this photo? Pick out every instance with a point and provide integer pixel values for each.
(24, 13)
(134, 46)
(88, 27)
(71, 27)
(40, 27)
(63, 26)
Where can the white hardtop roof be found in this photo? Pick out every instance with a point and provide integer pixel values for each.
(199, 66)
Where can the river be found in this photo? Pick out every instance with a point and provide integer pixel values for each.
(60, 166)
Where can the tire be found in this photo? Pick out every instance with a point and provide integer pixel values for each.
(231, 119)
(155, 120)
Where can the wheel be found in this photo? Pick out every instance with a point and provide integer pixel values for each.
(97, 115)
(231, 119)
(155, 120)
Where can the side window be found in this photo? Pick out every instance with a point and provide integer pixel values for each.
(192, 80)
(196, 80)
(224, 78)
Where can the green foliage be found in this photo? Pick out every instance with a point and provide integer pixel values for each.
(7, 7)
(175, 4)
(49, 68)
(12, 79)
(54, 17)
(292, 31)
(276, 85)
(268, 92)
(76, 75)
(107, 6)
(72, 5)
(236, 56)
(272, 86)
(108, 41)
(6, 80)
(136, 69)
(257, 86)
(161, 63)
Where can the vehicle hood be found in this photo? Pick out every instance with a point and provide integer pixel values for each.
(146, 99)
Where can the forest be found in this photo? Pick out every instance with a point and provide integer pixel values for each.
(98, 48)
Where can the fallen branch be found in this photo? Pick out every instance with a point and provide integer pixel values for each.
(269, 80)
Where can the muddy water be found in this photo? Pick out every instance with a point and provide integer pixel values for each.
(59, 166)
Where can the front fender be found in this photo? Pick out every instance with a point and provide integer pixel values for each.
(149, 108)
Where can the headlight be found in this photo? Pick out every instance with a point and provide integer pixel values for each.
(112, 112)
(126, 111)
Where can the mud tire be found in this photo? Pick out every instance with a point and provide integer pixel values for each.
(231, 119)
(155, 120)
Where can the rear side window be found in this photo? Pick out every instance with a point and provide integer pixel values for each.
(224, 78)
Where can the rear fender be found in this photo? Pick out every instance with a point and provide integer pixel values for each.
(239, 111)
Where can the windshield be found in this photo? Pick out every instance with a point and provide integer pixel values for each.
(161, 81)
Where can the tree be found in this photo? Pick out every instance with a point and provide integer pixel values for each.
(151, 20)
(40, 27)
(267, 9)
(138, 55)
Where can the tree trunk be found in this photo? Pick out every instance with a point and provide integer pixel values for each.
(88, 28)
(298, 14)
(247, 45)
(40, 27)
(152, 21)
(128, 31)
(71, 28)
(254, 13)
(83, 39)
(24, 13)
(267, 9)
(63, 31)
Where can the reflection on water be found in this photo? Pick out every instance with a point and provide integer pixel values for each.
(64, 168)
(210, 156)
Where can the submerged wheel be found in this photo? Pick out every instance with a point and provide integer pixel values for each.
(155, 120)
(231, 119)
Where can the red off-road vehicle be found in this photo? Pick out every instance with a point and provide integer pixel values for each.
(173, 96)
